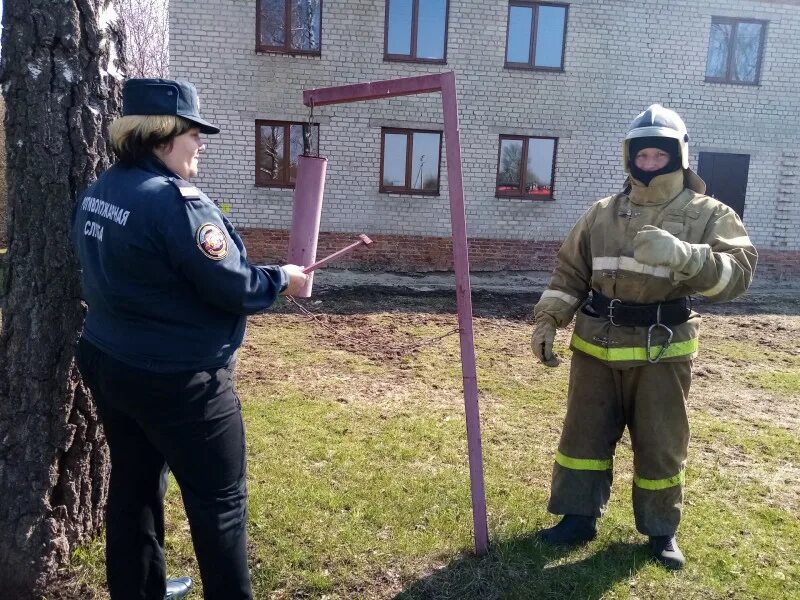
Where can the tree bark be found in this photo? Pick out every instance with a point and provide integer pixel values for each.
(61, 85)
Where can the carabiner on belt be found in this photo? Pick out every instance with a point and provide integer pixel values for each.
(658, 324)
(610, 315)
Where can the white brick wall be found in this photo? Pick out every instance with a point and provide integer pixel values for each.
(620, 56)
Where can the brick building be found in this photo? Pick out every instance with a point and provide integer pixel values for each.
(546, 90)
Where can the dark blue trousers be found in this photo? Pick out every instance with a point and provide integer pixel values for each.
(189, 423)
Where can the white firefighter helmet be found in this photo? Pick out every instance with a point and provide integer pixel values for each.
(657, 121)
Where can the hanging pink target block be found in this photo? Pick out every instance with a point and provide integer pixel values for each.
(306, 213)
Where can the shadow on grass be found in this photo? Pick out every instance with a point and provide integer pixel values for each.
(524, 568)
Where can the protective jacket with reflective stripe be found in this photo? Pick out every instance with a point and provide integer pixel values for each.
(598, 253)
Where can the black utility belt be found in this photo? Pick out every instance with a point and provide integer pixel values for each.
(631, 314)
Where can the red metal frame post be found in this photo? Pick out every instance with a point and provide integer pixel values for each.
(458, 224)
(446, 84)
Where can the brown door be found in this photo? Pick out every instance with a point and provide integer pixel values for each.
(726, 177)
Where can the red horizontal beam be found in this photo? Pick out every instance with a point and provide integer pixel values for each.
(373, 90)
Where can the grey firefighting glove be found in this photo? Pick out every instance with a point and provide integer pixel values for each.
(544, 332)
(658, 248)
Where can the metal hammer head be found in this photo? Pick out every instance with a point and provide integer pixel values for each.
(365, 240)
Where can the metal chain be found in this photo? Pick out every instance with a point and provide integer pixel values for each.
(307, 135)
(388, 349)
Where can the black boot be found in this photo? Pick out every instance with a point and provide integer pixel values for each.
(178, 588)
(572, 529)
(666, 552)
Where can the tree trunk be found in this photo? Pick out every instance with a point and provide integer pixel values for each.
(61, 85)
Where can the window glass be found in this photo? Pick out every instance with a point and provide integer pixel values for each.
(306, 20)
(735, 48)
(538, 176)
(273, 23)
(718, 45)
(525, 167)
(550, 23)
(431, 29)
(271, 149)
(394, 159)
(399, 34)
(508, 178)
(273, 166)
(410, 161)
(425, 161)
(296, 147)
(519, 34)
(747, 48)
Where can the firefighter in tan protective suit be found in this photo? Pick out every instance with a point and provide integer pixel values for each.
(627, 268)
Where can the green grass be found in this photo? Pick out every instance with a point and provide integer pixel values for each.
(780, 382)
(359, 483)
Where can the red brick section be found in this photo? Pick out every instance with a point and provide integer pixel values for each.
(408, 253)
(404, 253)
(778, 265)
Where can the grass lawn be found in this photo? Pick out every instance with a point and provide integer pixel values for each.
(358, 471)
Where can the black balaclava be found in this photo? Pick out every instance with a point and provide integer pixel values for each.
(668, 145)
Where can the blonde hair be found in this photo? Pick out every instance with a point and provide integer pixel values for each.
(134, 137)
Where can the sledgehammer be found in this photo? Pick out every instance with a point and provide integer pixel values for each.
(363, 239)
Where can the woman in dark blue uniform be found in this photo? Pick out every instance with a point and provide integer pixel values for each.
(168, 288)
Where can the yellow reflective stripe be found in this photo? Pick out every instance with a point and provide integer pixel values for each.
(659, 484)
(584, 464)
(635, 352)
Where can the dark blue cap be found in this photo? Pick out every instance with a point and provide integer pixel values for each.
(164, 97)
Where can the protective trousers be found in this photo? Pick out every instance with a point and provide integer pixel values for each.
(190, 423)
(649, 399)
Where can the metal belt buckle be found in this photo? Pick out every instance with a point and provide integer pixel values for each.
(657, 325)
(611, 311)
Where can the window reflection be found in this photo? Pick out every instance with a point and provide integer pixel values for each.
(271, 141)
(536, 35)
(510, 163)
(718, 44)
(416, 31)
(296, 147)
(394, 159)
(431, 29)
(273, 23)
(302, 32)
(748, 47)
(399, 27)
(734, 50)
(525, 167)
(520, 19)
(410, 161)
(425, 161)
(549, 36)
(278, 145)
(540, 167)
(306, 21)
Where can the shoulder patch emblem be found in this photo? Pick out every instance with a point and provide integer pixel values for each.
(212, 241)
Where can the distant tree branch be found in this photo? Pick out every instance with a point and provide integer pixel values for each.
(146, 26)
